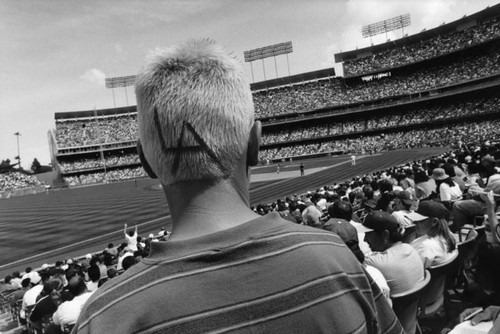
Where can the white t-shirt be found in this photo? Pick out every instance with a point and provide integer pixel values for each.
(447, 193)
(132, 241)
(432, 251)
(379, 279)
(400, 265)
(67, 313)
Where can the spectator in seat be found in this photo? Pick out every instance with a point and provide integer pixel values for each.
(403, 204)
(67, 313)
(434, 243)
(340, 213)
(295, 211)
(447, 190)
(122, 254)
(449, 169)
(199, 137)
(7, 284)
(99, 262)
(46, 306)
(385, 187)
(465, 210)
(16, 279)
(398, 262)
(19, 294)
(94, 276)
(285, 213)
(111, 249)
(311, 216)
(424, 185)
(31, 295)
(340, 223)
(128, 262)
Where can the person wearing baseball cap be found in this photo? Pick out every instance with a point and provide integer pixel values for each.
(399, 262)
(435, 243)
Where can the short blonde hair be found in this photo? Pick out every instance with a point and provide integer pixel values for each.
(195, 112)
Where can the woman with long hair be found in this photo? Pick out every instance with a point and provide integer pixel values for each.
(435, 243)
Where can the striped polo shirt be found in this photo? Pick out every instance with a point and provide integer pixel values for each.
(265, 276)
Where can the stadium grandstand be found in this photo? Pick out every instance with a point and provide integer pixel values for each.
(418, 102)
(420, 90)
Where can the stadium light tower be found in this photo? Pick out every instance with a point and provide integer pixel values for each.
(269, 51)
(17, 134)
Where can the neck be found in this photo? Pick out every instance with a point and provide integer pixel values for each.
(202, 207)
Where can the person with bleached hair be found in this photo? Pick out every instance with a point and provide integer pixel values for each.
(225, 268)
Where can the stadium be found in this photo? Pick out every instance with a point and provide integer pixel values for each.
(427, 97)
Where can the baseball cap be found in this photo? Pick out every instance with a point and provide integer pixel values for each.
(342, 228)
(378, 221)
(405, 197)
(427, 209)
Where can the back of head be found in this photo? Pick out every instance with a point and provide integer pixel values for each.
(340, 209)
(76, 285)
(195, 112)
(380, 221)
(94, 273)
(311, 216)
(421, 176)
(25, 282)
(385, 185)
(449, 169)
(54, 283)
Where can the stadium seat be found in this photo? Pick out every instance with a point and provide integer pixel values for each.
(406, 304)
(433, 297)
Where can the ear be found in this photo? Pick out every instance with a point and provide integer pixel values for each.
(144, 162)
(254, 144)
(385, 236)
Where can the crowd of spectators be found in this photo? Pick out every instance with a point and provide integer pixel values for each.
(109, 161)
(353, 209)
(315, 95)
(51, 297)
(411, 116)
(419, 194)
(425, 49)
(100, 130)
(299, 98)
(442, 136)
(109, 176)
(359, 144)
(17, 180)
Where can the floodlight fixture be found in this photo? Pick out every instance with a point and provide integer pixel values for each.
(398, 22)
(269, 51)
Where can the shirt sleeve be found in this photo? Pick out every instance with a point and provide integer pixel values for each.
(425, 254)
(444, 192)
(56, 319)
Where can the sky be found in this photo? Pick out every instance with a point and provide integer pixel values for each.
(55, 54)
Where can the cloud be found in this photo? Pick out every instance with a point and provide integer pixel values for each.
(94, 76)
(118, 48)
